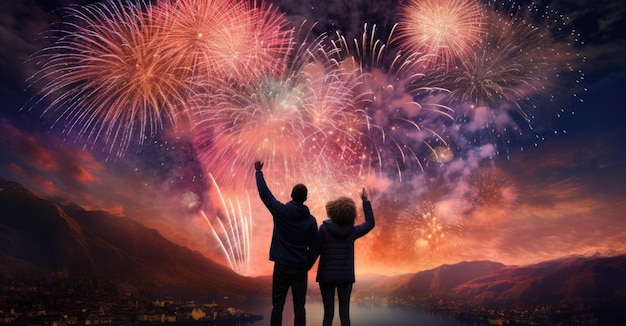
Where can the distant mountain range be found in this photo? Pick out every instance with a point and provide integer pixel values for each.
(40, 234)
(574, 279)
(430, 282)
(37, 234)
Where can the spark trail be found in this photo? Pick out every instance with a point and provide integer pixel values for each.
(233, 231)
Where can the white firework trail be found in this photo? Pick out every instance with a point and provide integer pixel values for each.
(233, 231)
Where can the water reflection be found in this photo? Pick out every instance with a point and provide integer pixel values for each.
(361, 314)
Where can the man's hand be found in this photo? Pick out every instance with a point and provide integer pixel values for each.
(258, 165)
(364, 195)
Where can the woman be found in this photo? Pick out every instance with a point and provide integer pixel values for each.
(336, 248)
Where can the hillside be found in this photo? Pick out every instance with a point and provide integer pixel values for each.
(571, 279)
(574, 279)
(37, 234)
(437, 281)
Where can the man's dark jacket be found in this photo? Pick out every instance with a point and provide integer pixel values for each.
(295, 229)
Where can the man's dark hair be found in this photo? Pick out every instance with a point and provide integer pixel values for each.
(299, 193)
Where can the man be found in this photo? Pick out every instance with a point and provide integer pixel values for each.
(293, 240)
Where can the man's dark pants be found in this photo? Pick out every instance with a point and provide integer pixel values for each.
(283, 278)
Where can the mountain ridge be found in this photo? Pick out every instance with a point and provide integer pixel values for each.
(41, 234)
(571, 279)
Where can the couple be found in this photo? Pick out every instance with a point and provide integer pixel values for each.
(296, 244)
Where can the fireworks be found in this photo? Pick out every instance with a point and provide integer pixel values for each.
(425, 231)
(396, 101)
(233, 232)
(491, 196)
(443, 30)
(447, 84)
(304, 113)
(503, 83)
(106, 78)
(221, 38)
(516, 61)
(441, 154)
(115, 71)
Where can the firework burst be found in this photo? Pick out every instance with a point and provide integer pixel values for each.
(491, 196)
(105, 75)
(302, 113)
(223, 39)
(425, 231)
(502, 86)
(441, 154)
(397, 104)
(444, 30)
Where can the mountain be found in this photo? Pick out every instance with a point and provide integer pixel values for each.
(569, 279)
(439, 280)
(574, 279)
(37, 234)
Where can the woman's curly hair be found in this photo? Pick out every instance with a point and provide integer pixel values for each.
(341, 210)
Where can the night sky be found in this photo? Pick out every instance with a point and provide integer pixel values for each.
(514, 191)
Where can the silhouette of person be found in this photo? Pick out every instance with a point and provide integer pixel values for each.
(336, 238)
(293, 240)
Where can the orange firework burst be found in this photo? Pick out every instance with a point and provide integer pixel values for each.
(446, 29)
(441, 154)
(425, 231)
(105, 74)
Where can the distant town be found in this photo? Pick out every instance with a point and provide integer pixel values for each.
(90, 304)
(24, 304)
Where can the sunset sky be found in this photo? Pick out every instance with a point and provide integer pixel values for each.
(515, 195)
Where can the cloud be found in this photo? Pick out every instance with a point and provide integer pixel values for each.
(44, 155)
(21, 22)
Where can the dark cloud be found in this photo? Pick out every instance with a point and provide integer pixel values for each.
(21, 24)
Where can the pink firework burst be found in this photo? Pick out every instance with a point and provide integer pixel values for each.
(105, 75)
(445, 30)
(220, 38)
(286, 118)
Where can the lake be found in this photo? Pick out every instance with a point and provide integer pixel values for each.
(361, 314)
